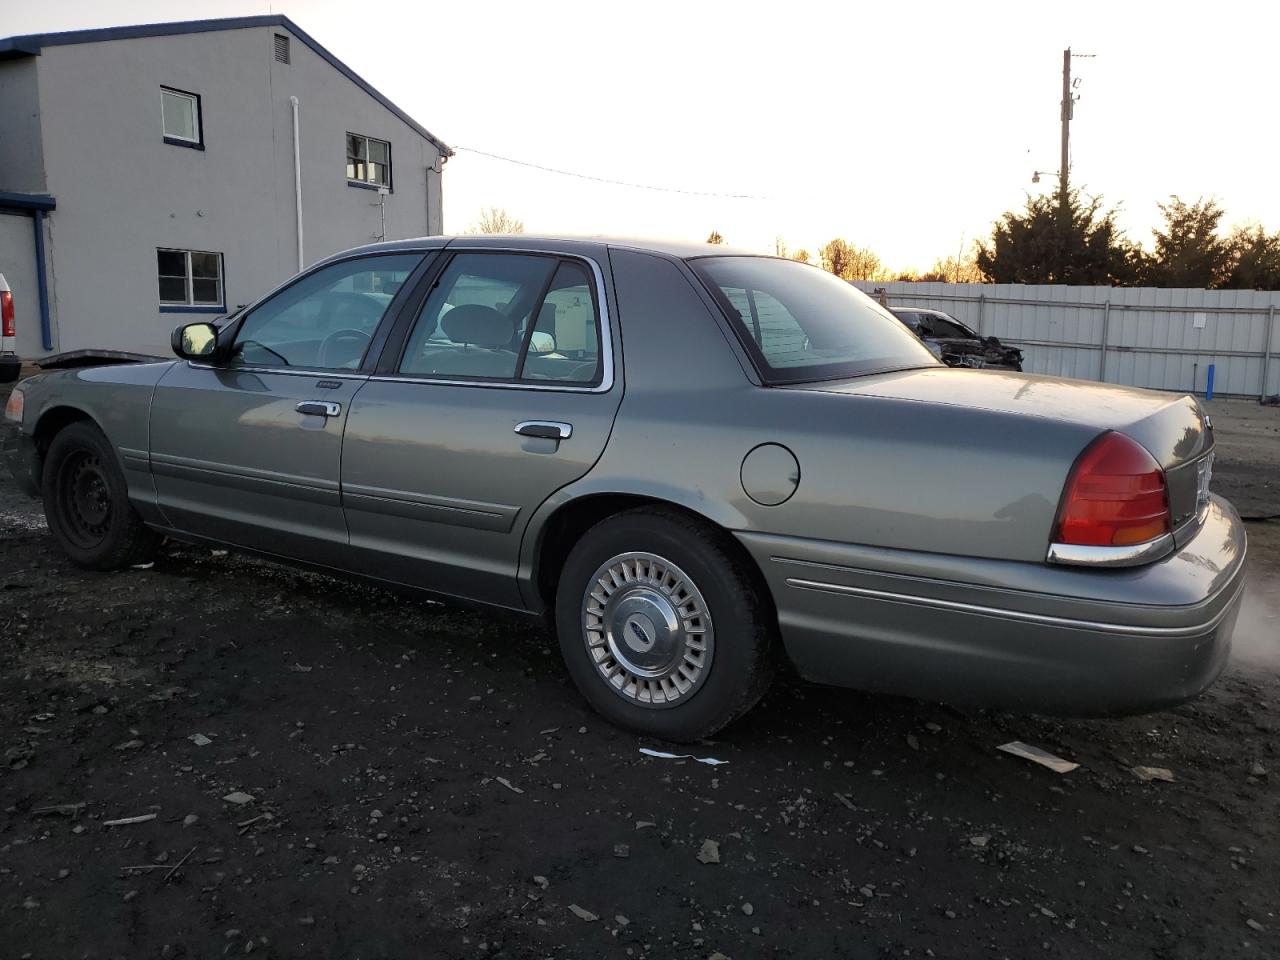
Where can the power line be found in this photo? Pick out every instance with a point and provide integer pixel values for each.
(616, 183)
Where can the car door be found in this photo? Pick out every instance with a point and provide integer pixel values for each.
(247, 451)
(497, 389)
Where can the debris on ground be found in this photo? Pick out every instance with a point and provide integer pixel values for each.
(1036, 755)
(199, 739)
(709, 852)
(1148, 774)
(582, 914)
(661, 755)
(126, 821)
(238, 797)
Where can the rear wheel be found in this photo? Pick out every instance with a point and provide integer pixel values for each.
(661, 625)
(86, 502)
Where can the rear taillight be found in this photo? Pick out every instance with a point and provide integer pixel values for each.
(1115, 497)
(6, 314)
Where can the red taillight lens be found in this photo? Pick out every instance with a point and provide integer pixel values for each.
(6, 314)
(1115, 496)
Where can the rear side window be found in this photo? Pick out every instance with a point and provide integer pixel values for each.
(801, 323)
(508, 317)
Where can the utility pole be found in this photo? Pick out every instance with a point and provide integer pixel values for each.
(1066, 129)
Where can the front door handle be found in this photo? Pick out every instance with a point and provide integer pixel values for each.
(319, 408)
(546, 429)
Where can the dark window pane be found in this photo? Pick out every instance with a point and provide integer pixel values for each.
(205, 291)
(355, 147)
(173, 290)
(378, 151)
(171, 263)
(204, 265)
(378, 173)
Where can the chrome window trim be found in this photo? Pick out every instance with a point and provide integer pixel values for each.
(1130, 555)
(295, 371)
(1005, 613)
(606, 342)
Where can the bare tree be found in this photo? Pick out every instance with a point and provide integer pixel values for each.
(779, 247)
(715, 237)
(849, 262)
(497, 220)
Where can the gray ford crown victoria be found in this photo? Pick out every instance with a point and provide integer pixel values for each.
(695, 463)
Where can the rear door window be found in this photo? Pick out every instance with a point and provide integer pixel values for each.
(508, 317)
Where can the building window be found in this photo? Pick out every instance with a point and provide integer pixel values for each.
(368, 161)
(189, 279)
(282, 48)
(180, 114)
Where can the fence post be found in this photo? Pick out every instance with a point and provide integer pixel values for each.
(1106, 326)
(982, 302)
(1266, 351)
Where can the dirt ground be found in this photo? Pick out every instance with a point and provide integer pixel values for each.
(330, 770)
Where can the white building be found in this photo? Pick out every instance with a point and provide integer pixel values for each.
(153, 171)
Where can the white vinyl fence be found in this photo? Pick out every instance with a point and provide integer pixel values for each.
(1140, 336)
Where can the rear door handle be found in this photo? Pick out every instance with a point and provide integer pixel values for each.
(319, 408)
(546, 429)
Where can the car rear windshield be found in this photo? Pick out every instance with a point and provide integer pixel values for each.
(801, 323)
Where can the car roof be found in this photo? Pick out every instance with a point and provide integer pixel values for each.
(523, 241)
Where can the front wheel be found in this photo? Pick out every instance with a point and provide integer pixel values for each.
(662, 625)
(86, 502)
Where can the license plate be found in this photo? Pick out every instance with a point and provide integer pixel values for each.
(1204, 474)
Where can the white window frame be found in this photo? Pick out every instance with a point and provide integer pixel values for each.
(194, 100)
(190, 301)
(367, 141)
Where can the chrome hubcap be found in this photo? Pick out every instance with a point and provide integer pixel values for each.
(647, 629)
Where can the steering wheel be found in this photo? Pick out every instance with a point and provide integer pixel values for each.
(358, 340)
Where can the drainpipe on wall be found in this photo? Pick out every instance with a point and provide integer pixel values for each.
(297, 179)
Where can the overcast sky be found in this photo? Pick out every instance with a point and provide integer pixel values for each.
(905, 127)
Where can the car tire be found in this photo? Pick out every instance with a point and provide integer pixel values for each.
(86, 502)
(664, 626)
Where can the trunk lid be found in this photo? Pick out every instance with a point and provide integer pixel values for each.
(1174, 428)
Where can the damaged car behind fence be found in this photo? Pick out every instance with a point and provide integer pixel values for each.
(694, 463)
(955, 344)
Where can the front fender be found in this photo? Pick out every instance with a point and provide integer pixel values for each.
(117, 399)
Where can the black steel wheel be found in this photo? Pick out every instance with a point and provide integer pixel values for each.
(86, 502)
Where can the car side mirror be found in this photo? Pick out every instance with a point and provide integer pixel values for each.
(196, 341)
(542, 342)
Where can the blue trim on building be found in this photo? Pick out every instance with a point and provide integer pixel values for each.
(42, 280)
(26, 202)
(187, 308)
(31, 45)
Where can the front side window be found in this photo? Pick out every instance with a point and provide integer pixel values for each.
(801, 323)
(189, 278)
(327, 319)
(508, 317)
(180, 117)
(368, 161)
